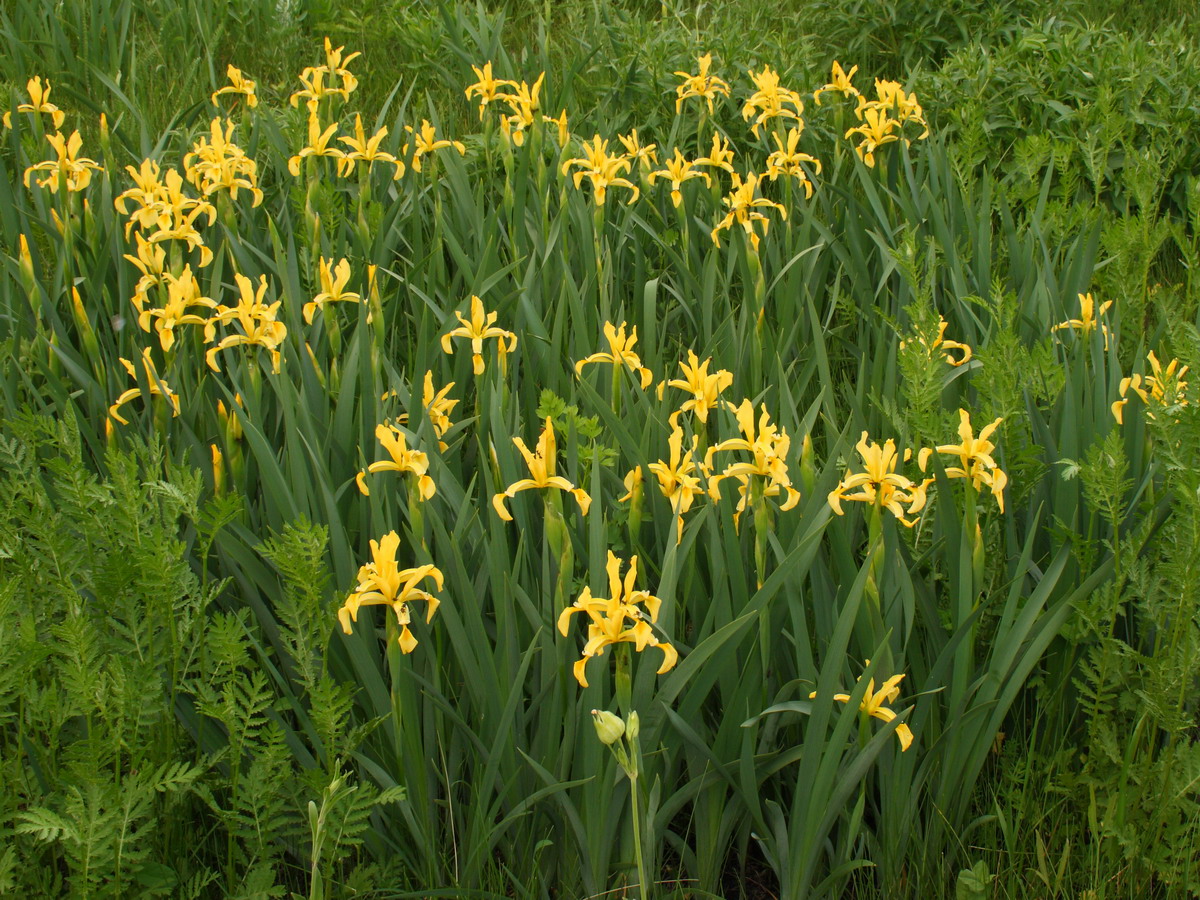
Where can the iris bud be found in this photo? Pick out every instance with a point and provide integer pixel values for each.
(609, 726)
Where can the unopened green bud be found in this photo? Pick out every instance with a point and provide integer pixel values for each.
(634, 493)
(556, 528)
(25, 264)
(977, 555)
(634, 725)
(808, 471)
(609, 726)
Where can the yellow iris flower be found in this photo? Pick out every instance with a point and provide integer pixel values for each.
(487, 87)
(69, 171)
(770, 100)
(743, 205)
(620, 353)
(608, 616)
(872, 705)
(878, 129)
(525, 105)
(366, 149)
(401, 459)
(318, 144)
(313, 78)
(633, 482)
(216, 162)
(719, 155)
(1089, 318)
(239, 85)
(880, 483)
(974, 455)
(382, 582)
(183, 291)
(148, 191)
(425, 141)
(940, 344)
(1164, 387)
(563, 133)
(700, 85)
(154, 384)
(678, 170)
(892, 99)
(477, 329)
(839, 81)
(541, 465)
(602, 170)
(704, 388)
(183, 228)
(257, 321)
(644, 154)
(786, 160)
(438, 406)
(333, 288)
(39, 102)
(164, 210)
(768, 448)
(150, 260)
(679, 477)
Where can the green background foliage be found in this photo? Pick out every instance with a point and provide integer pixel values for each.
(182, 715)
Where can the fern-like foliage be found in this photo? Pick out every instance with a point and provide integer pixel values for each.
(304, 607)
(144, 750)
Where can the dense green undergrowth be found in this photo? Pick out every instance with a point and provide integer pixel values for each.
(147, 730)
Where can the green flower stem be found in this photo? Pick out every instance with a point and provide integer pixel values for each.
(758, 310)
(484, 427)
(311, 217)
(226, 214)
(616, 389)
(364, 202)
(174, 265)
(685, 231)
(624, 678)
(875, 548)
(873, 629)
(509, 197)
(762, 527)
(416, 512)
(632, 772)
(68, 236)
(489, 134)
(967, 596)
(598, 251)
(839, 130)
(406, 741)
(254, 381)
(633, 520)
(332, 330)
(559, 544)
(627, 749)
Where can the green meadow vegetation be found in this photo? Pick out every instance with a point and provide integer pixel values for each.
(584, 450)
